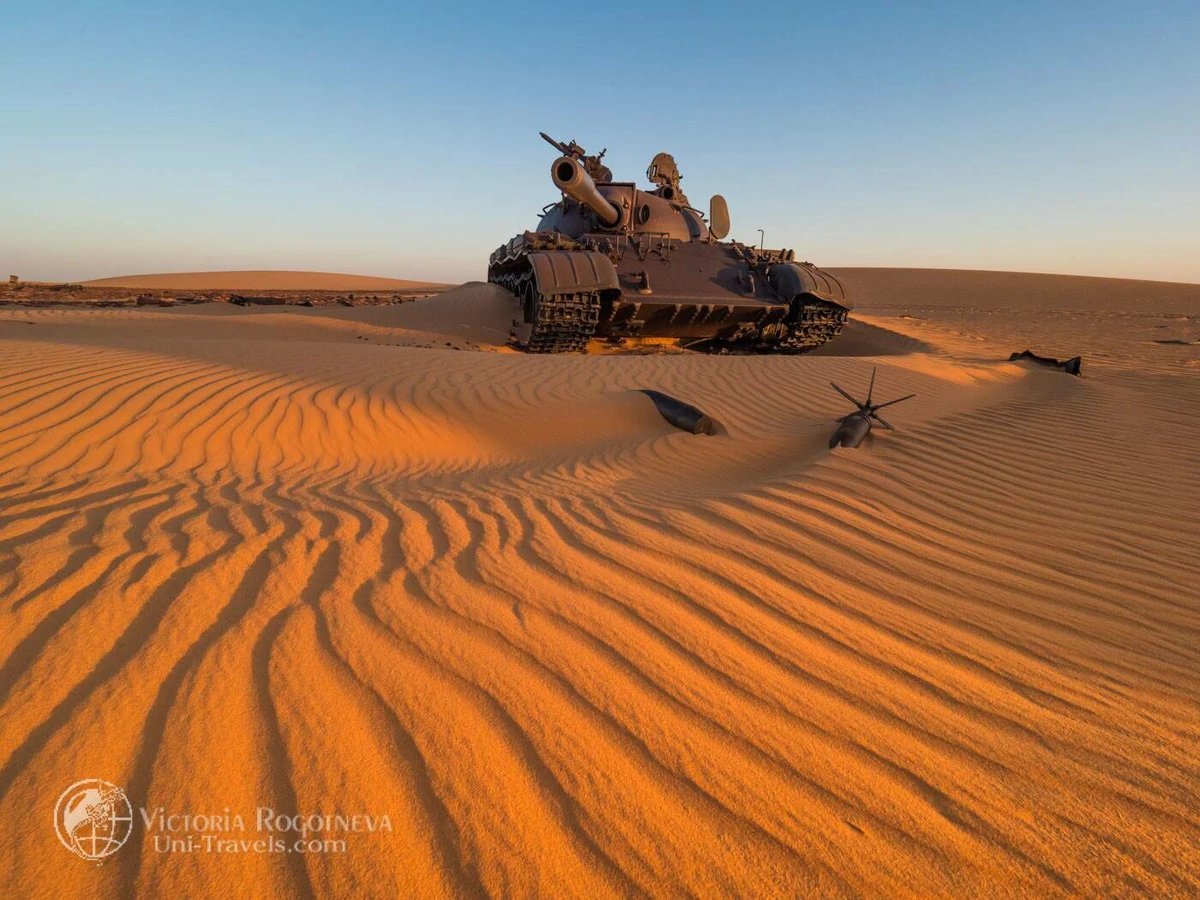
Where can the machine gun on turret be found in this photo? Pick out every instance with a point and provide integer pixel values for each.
(600, 173)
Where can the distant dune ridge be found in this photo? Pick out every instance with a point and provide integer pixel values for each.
(1016, 290)
(263, 280)
(370, 560)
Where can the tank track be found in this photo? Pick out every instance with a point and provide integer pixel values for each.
(564, 322)
(561, 323)
(819, 323)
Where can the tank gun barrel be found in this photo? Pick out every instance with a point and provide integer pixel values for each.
(570, 178)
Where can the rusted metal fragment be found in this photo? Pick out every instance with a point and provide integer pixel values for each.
(1070, 366)
(682, 415)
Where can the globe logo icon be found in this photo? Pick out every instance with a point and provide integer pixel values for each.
(93, 818)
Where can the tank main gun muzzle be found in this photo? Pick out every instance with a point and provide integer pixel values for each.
(570, 178)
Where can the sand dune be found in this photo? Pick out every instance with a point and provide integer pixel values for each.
(319, 560)
(919, 288)
(262, 281)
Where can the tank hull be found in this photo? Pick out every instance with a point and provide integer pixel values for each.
(722, 295)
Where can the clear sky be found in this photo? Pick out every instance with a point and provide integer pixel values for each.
(395, 139)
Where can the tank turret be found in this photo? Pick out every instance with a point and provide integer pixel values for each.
(610, 259)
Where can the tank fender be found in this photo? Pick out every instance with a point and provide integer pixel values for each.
(788, 280)
(572, 271)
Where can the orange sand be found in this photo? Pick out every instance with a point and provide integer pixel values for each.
(317, 560)
(263, 281)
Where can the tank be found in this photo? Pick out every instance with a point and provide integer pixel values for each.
(612, 260)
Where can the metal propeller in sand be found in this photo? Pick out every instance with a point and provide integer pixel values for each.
(854, 428)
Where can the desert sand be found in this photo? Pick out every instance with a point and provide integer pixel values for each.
(373, 561)
(262, 280)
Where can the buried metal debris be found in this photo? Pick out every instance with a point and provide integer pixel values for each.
(1070, 366)
(853, 428)
(682, 415)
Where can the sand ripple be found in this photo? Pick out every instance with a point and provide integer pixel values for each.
(573, 652)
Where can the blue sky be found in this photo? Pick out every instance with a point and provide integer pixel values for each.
(395, 139)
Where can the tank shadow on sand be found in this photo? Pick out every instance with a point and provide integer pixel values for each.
(860, 339)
